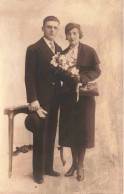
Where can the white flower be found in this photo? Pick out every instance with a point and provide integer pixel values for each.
(70, 64)
(62, 59)
(53, 62)
(54, 57)
(57, 55)
(71, 60)
(63, 63)
(75, 71)
(65, 67)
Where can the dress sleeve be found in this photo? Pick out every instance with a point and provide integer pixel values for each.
(63, 75)
(94, 71)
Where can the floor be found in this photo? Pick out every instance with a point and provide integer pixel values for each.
(102, 175)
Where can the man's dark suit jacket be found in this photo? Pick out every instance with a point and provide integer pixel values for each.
(39, 74)
(41, 85)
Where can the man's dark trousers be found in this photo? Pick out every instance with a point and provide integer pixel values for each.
(44, 132)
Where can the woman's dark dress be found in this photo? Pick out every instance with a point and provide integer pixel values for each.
(77, 120)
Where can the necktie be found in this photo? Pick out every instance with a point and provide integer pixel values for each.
(52, 46)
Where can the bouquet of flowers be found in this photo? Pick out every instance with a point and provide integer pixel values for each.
(66, 64)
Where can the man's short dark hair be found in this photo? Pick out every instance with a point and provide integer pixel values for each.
(50, 18)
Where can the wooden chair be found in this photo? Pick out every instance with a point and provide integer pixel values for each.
(11, 112)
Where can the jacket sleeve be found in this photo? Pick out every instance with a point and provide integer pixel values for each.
(30, 73)
(66, 76)
(63, 75)
(94, 72)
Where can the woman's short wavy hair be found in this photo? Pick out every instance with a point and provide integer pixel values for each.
(70, 26)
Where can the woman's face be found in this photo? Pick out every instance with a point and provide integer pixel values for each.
(73, 37)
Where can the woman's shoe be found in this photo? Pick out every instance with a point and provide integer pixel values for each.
(80, 174)
(71, 171)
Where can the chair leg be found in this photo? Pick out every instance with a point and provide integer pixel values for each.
(11, 122)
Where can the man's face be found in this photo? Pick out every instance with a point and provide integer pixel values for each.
(73, 37)
(50, 30)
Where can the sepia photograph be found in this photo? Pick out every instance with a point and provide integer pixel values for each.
(61, 102)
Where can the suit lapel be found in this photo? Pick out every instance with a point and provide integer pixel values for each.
(57, 48)
(45, 50)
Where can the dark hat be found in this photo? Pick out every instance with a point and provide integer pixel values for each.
(70, 26)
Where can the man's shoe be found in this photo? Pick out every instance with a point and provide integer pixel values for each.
(52, 173)
(71, 171)
(38, 181)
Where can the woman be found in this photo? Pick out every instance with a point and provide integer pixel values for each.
(77, 119)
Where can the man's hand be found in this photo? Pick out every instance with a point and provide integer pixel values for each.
(41, 112)
(34, 106)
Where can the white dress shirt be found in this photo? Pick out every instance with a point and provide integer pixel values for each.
(50, 44)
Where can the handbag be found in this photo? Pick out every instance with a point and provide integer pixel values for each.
(90, 89)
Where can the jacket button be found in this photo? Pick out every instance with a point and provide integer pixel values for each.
(53, 84)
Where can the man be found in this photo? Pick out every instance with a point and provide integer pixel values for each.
(42, 88)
